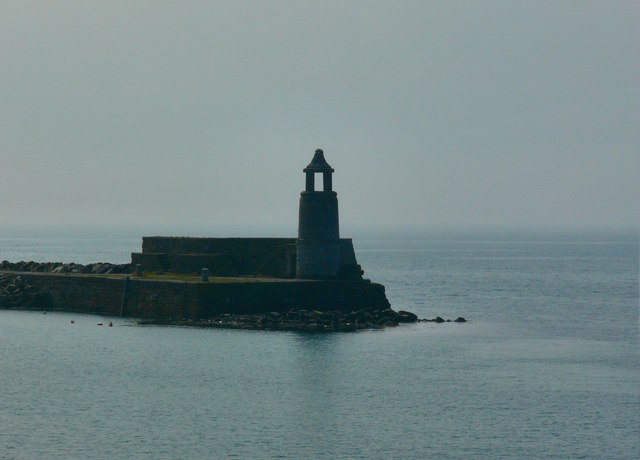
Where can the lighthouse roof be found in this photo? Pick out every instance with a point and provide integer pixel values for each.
(318, 163)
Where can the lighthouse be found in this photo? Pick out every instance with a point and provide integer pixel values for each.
(318, 243)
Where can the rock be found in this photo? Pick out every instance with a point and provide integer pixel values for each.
(460, 319)
(407, 317)
(439, 320)
(346, 327)
(59, 267)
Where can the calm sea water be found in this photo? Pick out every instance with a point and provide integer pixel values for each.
(548, 365)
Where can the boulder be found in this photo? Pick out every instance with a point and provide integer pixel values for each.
(407, 317)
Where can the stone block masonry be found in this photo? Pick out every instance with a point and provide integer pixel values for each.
(222, 256)
(273, 257)
(159, 299)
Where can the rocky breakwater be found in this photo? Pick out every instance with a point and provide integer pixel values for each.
(302, 320)
(16, 293)
(98, 268)
(438, 319)
(306, 320)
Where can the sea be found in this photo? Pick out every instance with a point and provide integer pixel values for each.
(546, 366)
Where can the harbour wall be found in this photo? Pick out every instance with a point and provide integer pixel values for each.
(274, 257)
(159, 299)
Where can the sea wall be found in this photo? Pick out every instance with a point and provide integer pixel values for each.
(72, 292)
(146, 298)
(222, 256)
(238, 247)
(275, 257)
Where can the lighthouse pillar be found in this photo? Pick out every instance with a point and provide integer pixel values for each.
(318, 243)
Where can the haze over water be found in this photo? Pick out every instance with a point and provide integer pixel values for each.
(547, 365)
(197, 118)
(431, 112)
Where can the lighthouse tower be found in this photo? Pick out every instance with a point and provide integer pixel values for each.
(318, 244)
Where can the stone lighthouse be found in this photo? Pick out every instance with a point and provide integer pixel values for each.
(318, 243)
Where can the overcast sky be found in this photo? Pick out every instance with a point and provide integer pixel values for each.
(178, 114)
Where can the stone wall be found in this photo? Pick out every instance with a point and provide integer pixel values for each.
(145, 298)
(86, 294)
(222, 256)
(241, 248)
(274, 257)
(317, 259)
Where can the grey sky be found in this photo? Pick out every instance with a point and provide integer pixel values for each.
(203, 113)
